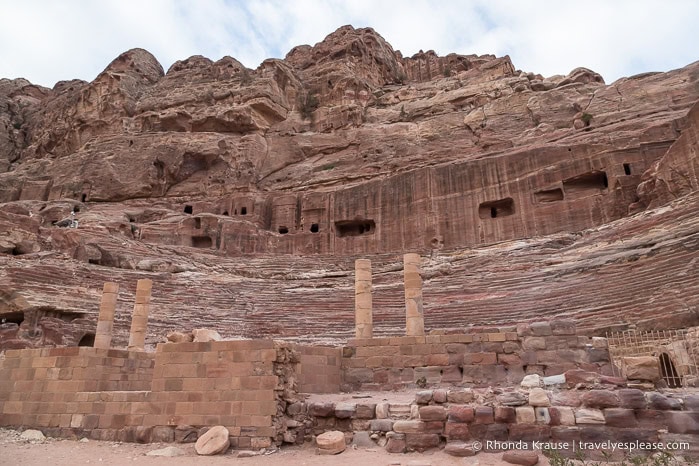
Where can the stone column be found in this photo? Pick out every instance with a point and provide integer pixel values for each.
(363, 320)
(139, 320)
(414, 320)
(105, 321)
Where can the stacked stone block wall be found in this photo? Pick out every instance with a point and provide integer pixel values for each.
(482, 358)
(439, 418)
(138, 396)
(320, 369)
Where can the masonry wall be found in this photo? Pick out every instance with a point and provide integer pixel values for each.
(320, 369)
(137, 396)
(482, 358)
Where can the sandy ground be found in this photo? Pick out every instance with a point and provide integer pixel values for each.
(58, 452)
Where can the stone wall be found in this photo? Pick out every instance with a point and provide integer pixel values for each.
(320, 369)
(138, 396)
(488, 357)
(568, 413)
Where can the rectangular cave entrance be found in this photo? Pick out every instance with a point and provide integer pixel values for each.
(354, 227)
(499, 208)
(201, 242)
(594, 180)
(549, 195)
(627, 169)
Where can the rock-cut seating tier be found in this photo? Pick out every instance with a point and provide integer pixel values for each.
(641, 270)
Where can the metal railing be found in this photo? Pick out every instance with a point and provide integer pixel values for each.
(676, 351)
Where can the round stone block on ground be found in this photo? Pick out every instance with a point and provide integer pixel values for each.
(330, 443)
(213, 442)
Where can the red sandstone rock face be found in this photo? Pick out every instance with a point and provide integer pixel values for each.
(246, 194)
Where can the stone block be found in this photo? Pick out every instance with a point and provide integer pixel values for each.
(456, 430)
(565, 434)
(620, 417)
(563, 327)
(433, 413)
(542, 415)
(641, 368)
(460, 396)
(529, 433)
(525, 415)
(459, 449)
(366, 410)
(505, 414)
(395, 442)
(214, 441)
(541, 329)
(483, 415)
(651, 418)
(382, 410)
(682, 422)
(566, 398)
(331, 443)
(561, 415)
(539, 397)
(381, 425)
(423, 397)
(662, 402)
(421, 442)
(460, 413)
(589, 416)
(345, 410)
(531, 381)
(523, 457)
(600, 399)
(411, 426)
(163, 434)
(512, 399)
(534, 344)
(632, 398)
(321, 409)
(440, 395)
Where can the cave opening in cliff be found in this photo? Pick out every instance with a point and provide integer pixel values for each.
(549, 195)
(315, 228)
(594, 180)
(197, 223)
(627, 169)
(283, 230)
(668, 372)
(188, 209)
(12, 318)
(354, 227)
(87, 340)
(495, 209)
(83, 198)
(225, 212)
(201, 242)
(243, 211)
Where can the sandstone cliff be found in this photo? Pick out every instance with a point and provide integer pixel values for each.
(246, 194)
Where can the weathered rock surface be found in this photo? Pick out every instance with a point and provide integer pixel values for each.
(245, 195)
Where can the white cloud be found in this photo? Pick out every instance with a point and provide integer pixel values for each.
(50, 41)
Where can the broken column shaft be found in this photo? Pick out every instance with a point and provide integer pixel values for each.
(362, 299)
(139, 320)
(105, 321)
(414, 319)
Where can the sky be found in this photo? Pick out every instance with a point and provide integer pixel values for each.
(46, 41)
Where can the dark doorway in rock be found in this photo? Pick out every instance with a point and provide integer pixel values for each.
(243, 211)
(668, 372)
(83, 198)
(188, 209)
(594, 180)
(87, 340)
(201, 242)
(12, 318)
(627, 169)
(283, 230)
(225, 212)
(315, 228)
(549, 195)
(355, 227)
(495, 209)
